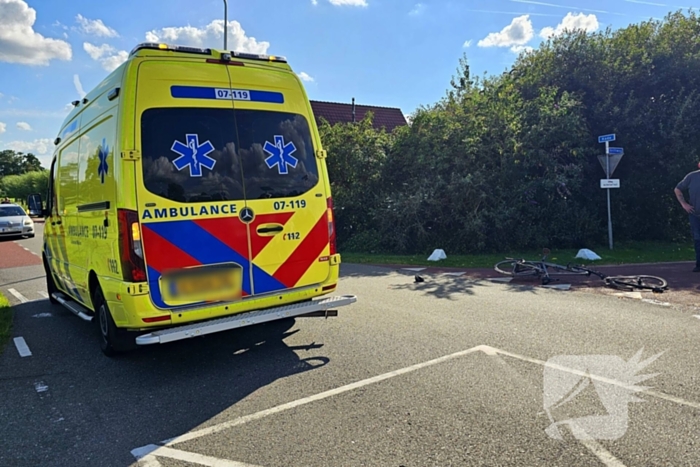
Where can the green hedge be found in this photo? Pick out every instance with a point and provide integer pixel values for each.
(510, 161)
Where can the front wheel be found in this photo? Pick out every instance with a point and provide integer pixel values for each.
(515, 268)
(657, 284)
(51, 288)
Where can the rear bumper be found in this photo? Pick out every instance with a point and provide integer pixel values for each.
(244, 319)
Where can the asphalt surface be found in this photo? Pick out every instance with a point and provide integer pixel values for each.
(246, 397)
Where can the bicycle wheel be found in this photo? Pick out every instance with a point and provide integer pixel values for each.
(515, 268)
(638, 282)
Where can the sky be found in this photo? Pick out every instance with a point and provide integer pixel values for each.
(392, 53)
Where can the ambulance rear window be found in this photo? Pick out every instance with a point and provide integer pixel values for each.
(203, 154)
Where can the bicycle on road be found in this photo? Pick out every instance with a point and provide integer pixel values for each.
(545, 270)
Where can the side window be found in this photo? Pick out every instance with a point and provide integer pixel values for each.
(51, 194)
(68, 178)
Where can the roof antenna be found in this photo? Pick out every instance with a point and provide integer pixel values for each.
(225, 24)
(353, 110)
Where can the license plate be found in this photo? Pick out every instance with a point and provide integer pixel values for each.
(9, 229)
(202, 284)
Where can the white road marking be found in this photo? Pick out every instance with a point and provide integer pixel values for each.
(18, 295)
(696, 316)
(162, 451)
(145, 453)
(557, 286)
(658, 395)
(22, 347)
(501, 279)
(599, 451)
(40, 386)
(414, 269)
(42, 315)
(454, 274)
(43, 294)
(317, 397)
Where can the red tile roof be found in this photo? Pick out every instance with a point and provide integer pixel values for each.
(336, 112)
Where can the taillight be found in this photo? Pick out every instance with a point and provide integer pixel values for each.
(130, 247)
(331, 226)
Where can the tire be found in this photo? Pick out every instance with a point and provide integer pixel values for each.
(654, 283)
(514, 268)
(50, 283)
(113, 341)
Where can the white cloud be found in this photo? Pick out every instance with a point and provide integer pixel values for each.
(314, 2)
(305, 77)
(95, 27)
(109, 57)
(3, 127)
(348, 2)
(19, 43)
(468, 44)
(112, 62)
(40, 146)
(517, 49)
(518, 32)
(211, 35)
(417, 10)
(78, 86)
(96, 52)
(1, 95)
(24, 126)
(571, 22)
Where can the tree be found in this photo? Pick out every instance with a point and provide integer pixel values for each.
(17, 163)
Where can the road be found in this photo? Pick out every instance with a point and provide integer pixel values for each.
(446, 372)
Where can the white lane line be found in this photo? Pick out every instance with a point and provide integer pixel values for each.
(317, 397)
(18, 295)
(43, 294)
(632, 388)
(153, 450)
(696, 316)
(42, 315)
(22, 347)
(40, 386)
(599, 451)
(414, 269)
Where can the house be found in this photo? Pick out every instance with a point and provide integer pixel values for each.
(337, 112)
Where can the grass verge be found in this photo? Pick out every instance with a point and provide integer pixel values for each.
(5, 322)
(624, 253)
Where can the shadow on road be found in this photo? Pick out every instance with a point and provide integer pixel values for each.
(108, 407)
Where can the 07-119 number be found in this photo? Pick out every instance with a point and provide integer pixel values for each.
(299, 204)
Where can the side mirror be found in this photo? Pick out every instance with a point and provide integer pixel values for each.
(35, 205)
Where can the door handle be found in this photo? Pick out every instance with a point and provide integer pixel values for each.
(270, 229)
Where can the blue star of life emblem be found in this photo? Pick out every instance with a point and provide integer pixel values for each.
(194, 155)
(280, 155)
(102, 154)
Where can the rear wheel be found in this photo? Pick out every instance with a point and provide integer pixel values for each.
(515, 268)
(113, 341)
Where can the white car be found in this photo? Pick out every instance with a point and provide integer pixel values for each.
(15, 222)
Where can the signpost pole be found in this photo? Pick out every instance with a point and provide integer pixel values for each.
(607, 174)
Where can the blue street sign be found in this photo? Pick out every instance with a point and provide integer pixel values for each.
(606, 138)
(615, 151)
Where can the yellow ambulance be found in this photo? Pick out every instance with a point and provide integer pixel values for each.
(189, 195)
